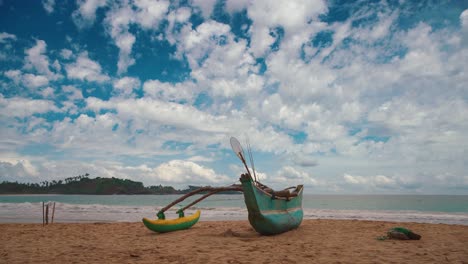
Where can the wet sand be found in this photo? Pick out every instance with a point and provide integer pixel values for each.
(315, 241)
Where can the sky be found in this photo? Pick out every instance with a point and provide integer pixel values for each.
(345, 97)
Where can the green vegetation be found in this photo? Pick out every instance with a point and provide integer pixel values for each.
(82, 184)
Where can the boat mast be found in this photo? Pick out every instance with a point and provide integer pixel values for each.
(237, 148)
(249, 150)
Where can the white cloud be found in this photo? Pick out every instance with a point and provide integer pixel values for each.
(267, 15)
(147, 14)
(5, 37)
(187, 172)
(21, 107)
(48, 92)
(86, 69)
(464, 19)
(85, 15)
(48, 5)
(34, 81)
(125, 43)
(355, 179)
(179, 16)
(304, 161)
(37, 60)
(178, 92)
(15, 75)
(206, 6)
(233, 6)
(378, 182)
(66, 54)
(126, 85)
(72, 92)
(292, 176)
(18, 170)
(150, 13)
(165, 113)
(209, 48)
(29, 80)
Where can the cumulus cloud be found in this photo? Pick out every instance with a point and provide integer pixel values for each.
(126, 85)
(72, 92)
(34, 81)
(211, 46)
(29, 80)
(382, 183)
(187, 172)
(205, 6)
(464, 19)
(22, 107)
(267, 15)
(5, 37)
(19, 170)
(85, 15)
(178, 92)
(66, 54)
(165, 113)
(36, 59)
(86, 69)
(305, 161)
(14, 75)
(48, 5)
(292, 176)
(147, 14)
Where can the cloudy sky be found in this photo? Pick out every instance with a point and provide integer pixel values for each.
(343, 96)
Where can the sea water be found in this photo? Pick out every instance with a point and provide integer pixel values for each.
(448, 209)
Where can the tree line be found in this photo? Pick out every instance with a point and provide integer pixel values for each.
(82, 184)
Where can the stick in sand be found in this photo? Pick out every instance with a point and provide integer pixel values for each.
(43, 219)
(53, 213)
(47, 213)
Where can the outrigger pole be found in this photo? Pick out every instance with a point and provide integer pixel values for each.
(211, 190)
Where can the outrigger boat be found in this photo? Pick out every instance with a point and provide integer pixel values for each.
(270, 212)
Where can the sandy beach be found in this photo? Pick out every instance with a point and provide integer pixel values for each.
(315, 241)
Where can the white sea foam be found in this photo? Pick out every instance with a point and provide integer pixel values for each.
(64, 212)
(394, 216)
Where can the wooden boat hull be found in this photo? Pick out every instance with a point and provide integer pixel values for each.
(269, 215)
(164, 226)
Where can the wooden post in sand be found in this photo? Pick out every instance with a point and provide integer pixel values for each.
(43, 216)
(47, 213)
(53, 213)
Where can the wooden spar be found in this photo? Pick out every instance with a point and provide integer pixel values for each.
(234, 187)
(199, 199)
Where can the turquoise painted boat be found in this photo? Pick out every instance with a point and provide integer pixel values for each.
(270, 212)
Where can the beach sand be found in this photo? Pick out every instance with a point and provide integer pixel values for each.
(315, 241)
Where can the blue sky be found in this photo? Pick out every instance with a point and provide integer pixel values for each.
(343, 96)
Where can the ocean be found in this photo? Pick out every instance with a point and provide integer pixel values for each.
(447, 209)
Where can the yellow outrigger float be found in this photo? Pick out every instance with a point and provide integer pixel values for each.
(163, 226)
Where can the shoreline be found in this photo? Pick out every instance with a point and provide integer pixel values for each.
(32, 213)
(315, 241)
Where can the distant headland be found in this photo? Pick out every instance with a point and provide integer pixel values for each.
(82, 184)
